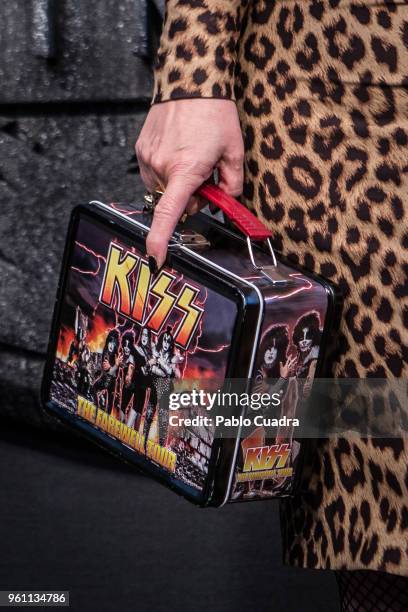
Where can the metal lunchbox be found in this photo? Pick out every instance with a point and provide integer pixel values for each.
(223, 314)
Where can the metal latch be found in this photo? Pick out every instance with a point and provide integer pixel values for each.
(150, 200)
(184, 237)
(191, 239)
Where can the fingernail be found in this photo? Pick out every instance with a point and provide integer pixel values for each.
(153, 267)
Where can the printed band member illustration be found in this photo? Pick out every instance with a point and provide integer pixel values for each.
(276, 366)
(127, 367)
(164, 370)
(306, 338)
(81, 332)
(143, 382)
(104, 386)
(80, 349)
(83, 374)
(273, 376)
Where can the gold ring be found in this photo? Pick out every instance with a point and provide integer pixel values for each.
(151, 199)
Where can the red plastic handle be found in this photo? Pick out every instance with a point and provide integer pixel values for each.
(243, 218)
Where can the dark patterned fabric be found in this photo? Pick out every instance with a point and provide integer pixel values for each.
(365, 591)
(321, 88)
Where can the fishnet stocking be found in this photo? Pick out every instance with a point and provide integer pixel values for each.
(366, 591)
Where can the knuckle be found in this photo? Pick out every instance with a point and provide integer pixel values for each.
(181, 168)
(189, 162)
(236, 160)
(139, 147)
(235, 154)
(142, 154)
(234, 186)
(159, 163)
(235, 190)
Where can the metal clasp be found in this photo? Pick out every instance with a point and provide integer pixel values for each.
(190, 238)
(251, 254)
(151, 200)
(263, 269)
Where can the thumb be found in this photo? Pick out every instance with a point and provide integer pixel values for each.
(166, 216)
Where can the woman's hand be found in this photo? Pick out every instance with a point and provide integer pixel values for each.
(181, 143)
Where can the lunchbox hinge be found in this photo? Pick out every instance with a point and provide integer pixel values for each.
(190, 238)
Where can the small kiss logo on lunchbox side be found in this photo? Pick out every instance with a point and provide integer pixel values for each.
(264, 462)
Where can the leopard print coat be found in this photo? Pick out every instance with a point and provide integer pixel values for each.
(323, 102)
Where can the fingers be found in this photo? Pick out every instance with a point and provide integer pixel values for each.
(146, 173)
(177, 147)
(231, 174)
(195, 205)
(166, 216)
(147, 177)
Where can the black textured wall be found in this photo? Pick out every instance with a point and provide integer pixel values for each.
(71, 50)
(74, 89)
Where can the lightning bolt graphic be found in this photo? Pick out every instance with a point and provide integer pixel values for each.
(98, 257)
(308, 285)
(216, 350)
(298, 276)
